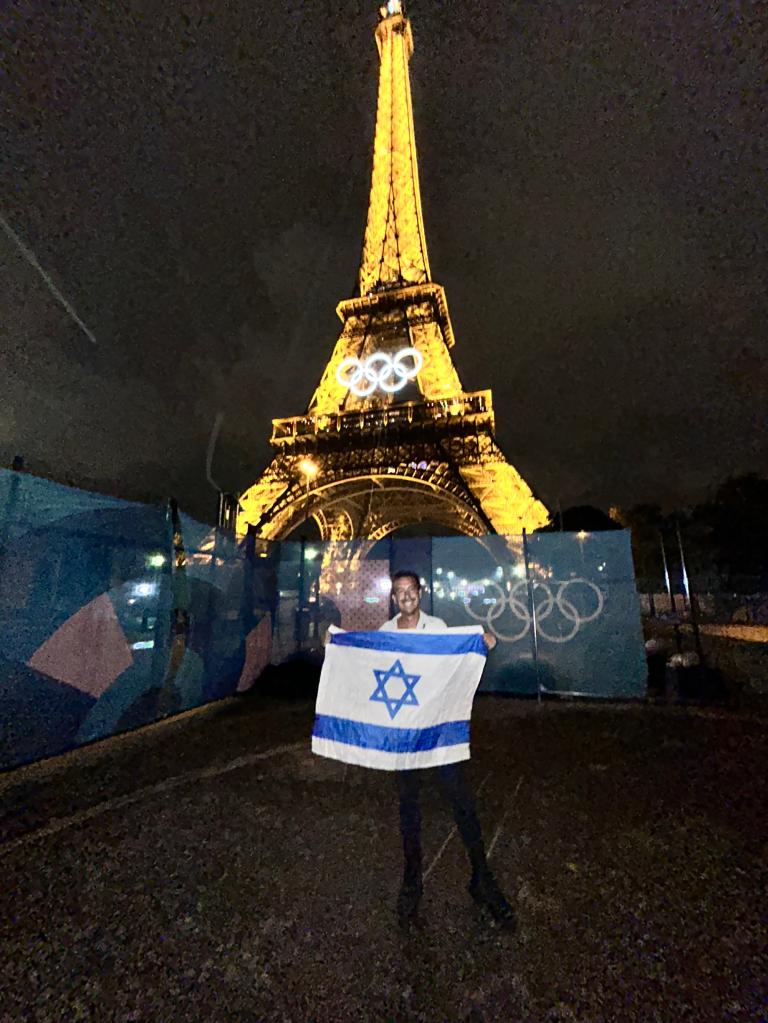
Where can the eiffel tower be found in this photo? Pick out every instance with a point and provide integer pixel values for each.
(390, 438)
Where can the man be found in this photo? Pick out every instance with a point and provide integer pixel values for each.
(406, 593)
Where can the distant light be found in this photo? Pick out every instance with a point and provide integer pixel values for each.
(309, 468)
(370, 600)
(582, 534)
(519, 571)
(144, 644)
(451, 575)
(311, 553)
(438, 571)
(384, 584)
(155, 560)
(144, 589)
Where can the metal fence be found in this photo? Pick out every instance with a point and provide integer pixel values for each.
(562, 605)
(114, 614)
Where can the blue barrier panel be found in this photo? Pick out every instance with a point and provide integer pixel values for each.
(84, 612)
(563, 607)
(114, 614)
(229, 608)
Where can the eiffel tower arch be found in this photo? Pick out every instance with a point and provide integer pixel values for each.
(390, 438)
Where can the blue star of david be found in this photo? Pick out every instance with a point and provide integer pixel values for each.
(380, 694)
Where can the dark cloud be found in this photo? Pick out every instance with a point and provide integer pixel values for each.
(195, 180)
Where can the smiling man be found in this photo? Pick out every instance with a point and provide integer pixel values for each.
(406, 594)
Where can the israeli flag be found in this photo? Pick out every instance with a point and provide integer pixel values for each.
(398, 700)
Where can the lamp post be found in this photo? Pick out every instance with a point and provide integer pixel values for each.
(309, 470)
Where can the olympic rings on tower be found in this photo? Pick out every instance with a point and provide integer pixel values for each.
(389, 372)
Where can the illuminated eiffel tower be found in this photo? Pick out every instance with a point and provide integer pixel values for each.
(390, 439)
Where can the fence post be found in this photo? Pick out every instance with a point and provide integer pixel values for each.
(10, 506)
(249, 580)
(431, 575)
(692, 602)
(9, 511)
(302, 595)
(667, 580)
(668, 583)
(212, 606)
(179, 614)
(532, 613)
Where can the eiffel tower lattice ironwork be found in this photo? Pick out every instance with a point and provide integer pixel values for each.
(391, 439)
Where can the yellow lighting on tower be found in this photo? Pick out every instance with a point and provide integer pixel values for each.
(390, 400)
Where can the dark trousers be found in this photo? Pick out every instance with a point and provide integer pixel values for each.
(457, 791)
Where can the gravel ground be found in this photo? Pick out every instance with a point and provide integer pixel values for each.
(191, 874)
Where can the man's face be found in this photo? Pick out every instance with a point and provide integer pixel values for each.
(406, 594)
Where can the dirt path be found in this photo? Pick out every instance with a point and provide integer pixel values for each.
(218, 871)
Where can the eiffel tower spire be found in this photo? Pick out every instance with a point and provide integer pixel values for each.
(390, 437)
(398, 306)
(395, 247)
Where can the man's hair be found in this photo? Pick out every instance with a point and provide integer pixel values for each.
(406, 575)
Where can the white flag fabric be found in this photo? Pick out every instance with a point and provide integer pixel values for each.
(398, 700)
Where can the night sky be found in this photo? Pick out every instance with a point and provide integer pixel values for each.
(194, 177)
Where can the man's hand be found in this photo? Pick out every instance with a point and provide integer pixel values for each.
(327, 635)
(490, 640)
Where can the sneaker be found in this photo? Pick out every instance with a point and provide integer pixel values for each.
(491, 901)
(408, 903)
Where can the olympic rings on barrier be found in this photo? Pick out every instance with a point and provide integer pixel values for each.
(520, 608)
(389, 372)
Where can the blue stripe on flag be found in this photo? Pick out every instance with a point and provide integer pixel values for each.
(391, 740)
(413, 642)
